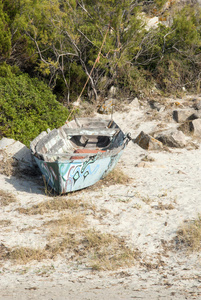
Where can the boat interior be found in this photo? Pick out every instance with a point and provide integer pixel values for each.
(83, 135)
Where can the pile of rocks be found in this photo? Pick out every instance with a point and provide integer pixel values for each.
(183, 120)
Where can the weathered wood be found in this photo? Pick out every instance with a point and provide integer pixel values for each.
(59, 154)
(90, 131)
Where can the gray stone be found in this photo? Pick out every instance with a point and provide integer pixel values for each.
(134, 104)
(147, 142)
(112, 92)
(172, 138)
(182, 115)
(17, 150)
(5, 143)
(196, 104)
(156, 105)
(195, 127)
(196, 115)
(107, 107)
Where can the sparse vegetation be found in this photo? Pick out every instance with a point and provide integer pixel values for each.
(116, 176)
(25, 254)
(100, 251)
(69, 235)
(5, 223)
(189, 235)
(8, 166)
(6, 198)
(164, 206)
(108, 252)
(56, 204)
(66, 223)
(146, 199)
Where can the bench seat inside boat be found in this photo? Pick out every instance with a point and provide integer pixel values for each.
(86, 152)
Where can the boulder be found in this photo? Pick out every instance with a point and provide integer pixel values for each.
(112, 92)
(17, 150)
(195, 127)
(107, 107)
(172, 138)
(197, 104)
(147, 142)
(134, 104)
(156, 105)
(182, 115)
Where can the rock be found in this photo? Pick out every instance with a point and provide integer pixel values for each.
(5, 143)
(156, 105)
(112, 92)
(182, 115)
(172, 138)
(107, 107)
(143, 164)
(197, 104)
(147, 142)
(17, 150)
(134, 104)
(195, 127)
(196, 115)
(185, 127)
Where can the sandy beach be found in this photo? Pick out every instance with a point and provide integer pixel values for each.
(163, 191)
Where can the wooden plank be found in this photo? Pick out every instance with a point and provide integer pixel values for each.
(90, 131)
(73, 154)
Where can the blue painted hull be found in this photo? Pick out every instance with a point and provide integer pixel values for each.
(69, 176)
(79, 153)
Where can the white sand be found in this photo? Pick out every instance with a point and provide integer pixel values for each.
(172, 178)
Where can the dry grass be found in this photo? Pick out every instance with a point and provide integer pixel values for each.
(25, 254)
(56, 204)
(189, 235)
(116, 176)
(6, 198)
(70, 236)
(99, 251)
(22, 254)
(96, 250)
(8, 166)
(88, 109)
(5, 223)
(108, 252)
(162, 206)
(65, 224)
(146, 199)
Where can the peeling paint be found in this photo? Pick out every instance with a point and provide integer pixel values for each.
(68, 171)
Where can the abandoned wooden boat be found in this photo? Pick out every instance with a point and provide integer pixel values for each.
(79, 153)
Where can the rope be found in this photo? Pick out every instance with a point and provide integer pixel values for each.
(97, 60)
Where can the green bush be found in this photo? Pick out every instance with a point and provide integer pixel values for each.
(172, 53)
(134, 80)
(27, 107)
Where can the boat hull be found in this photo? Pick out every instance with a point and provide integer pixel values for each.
(70, 176)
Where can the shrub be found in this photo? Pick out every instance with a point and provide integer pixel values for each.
(27, 107)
